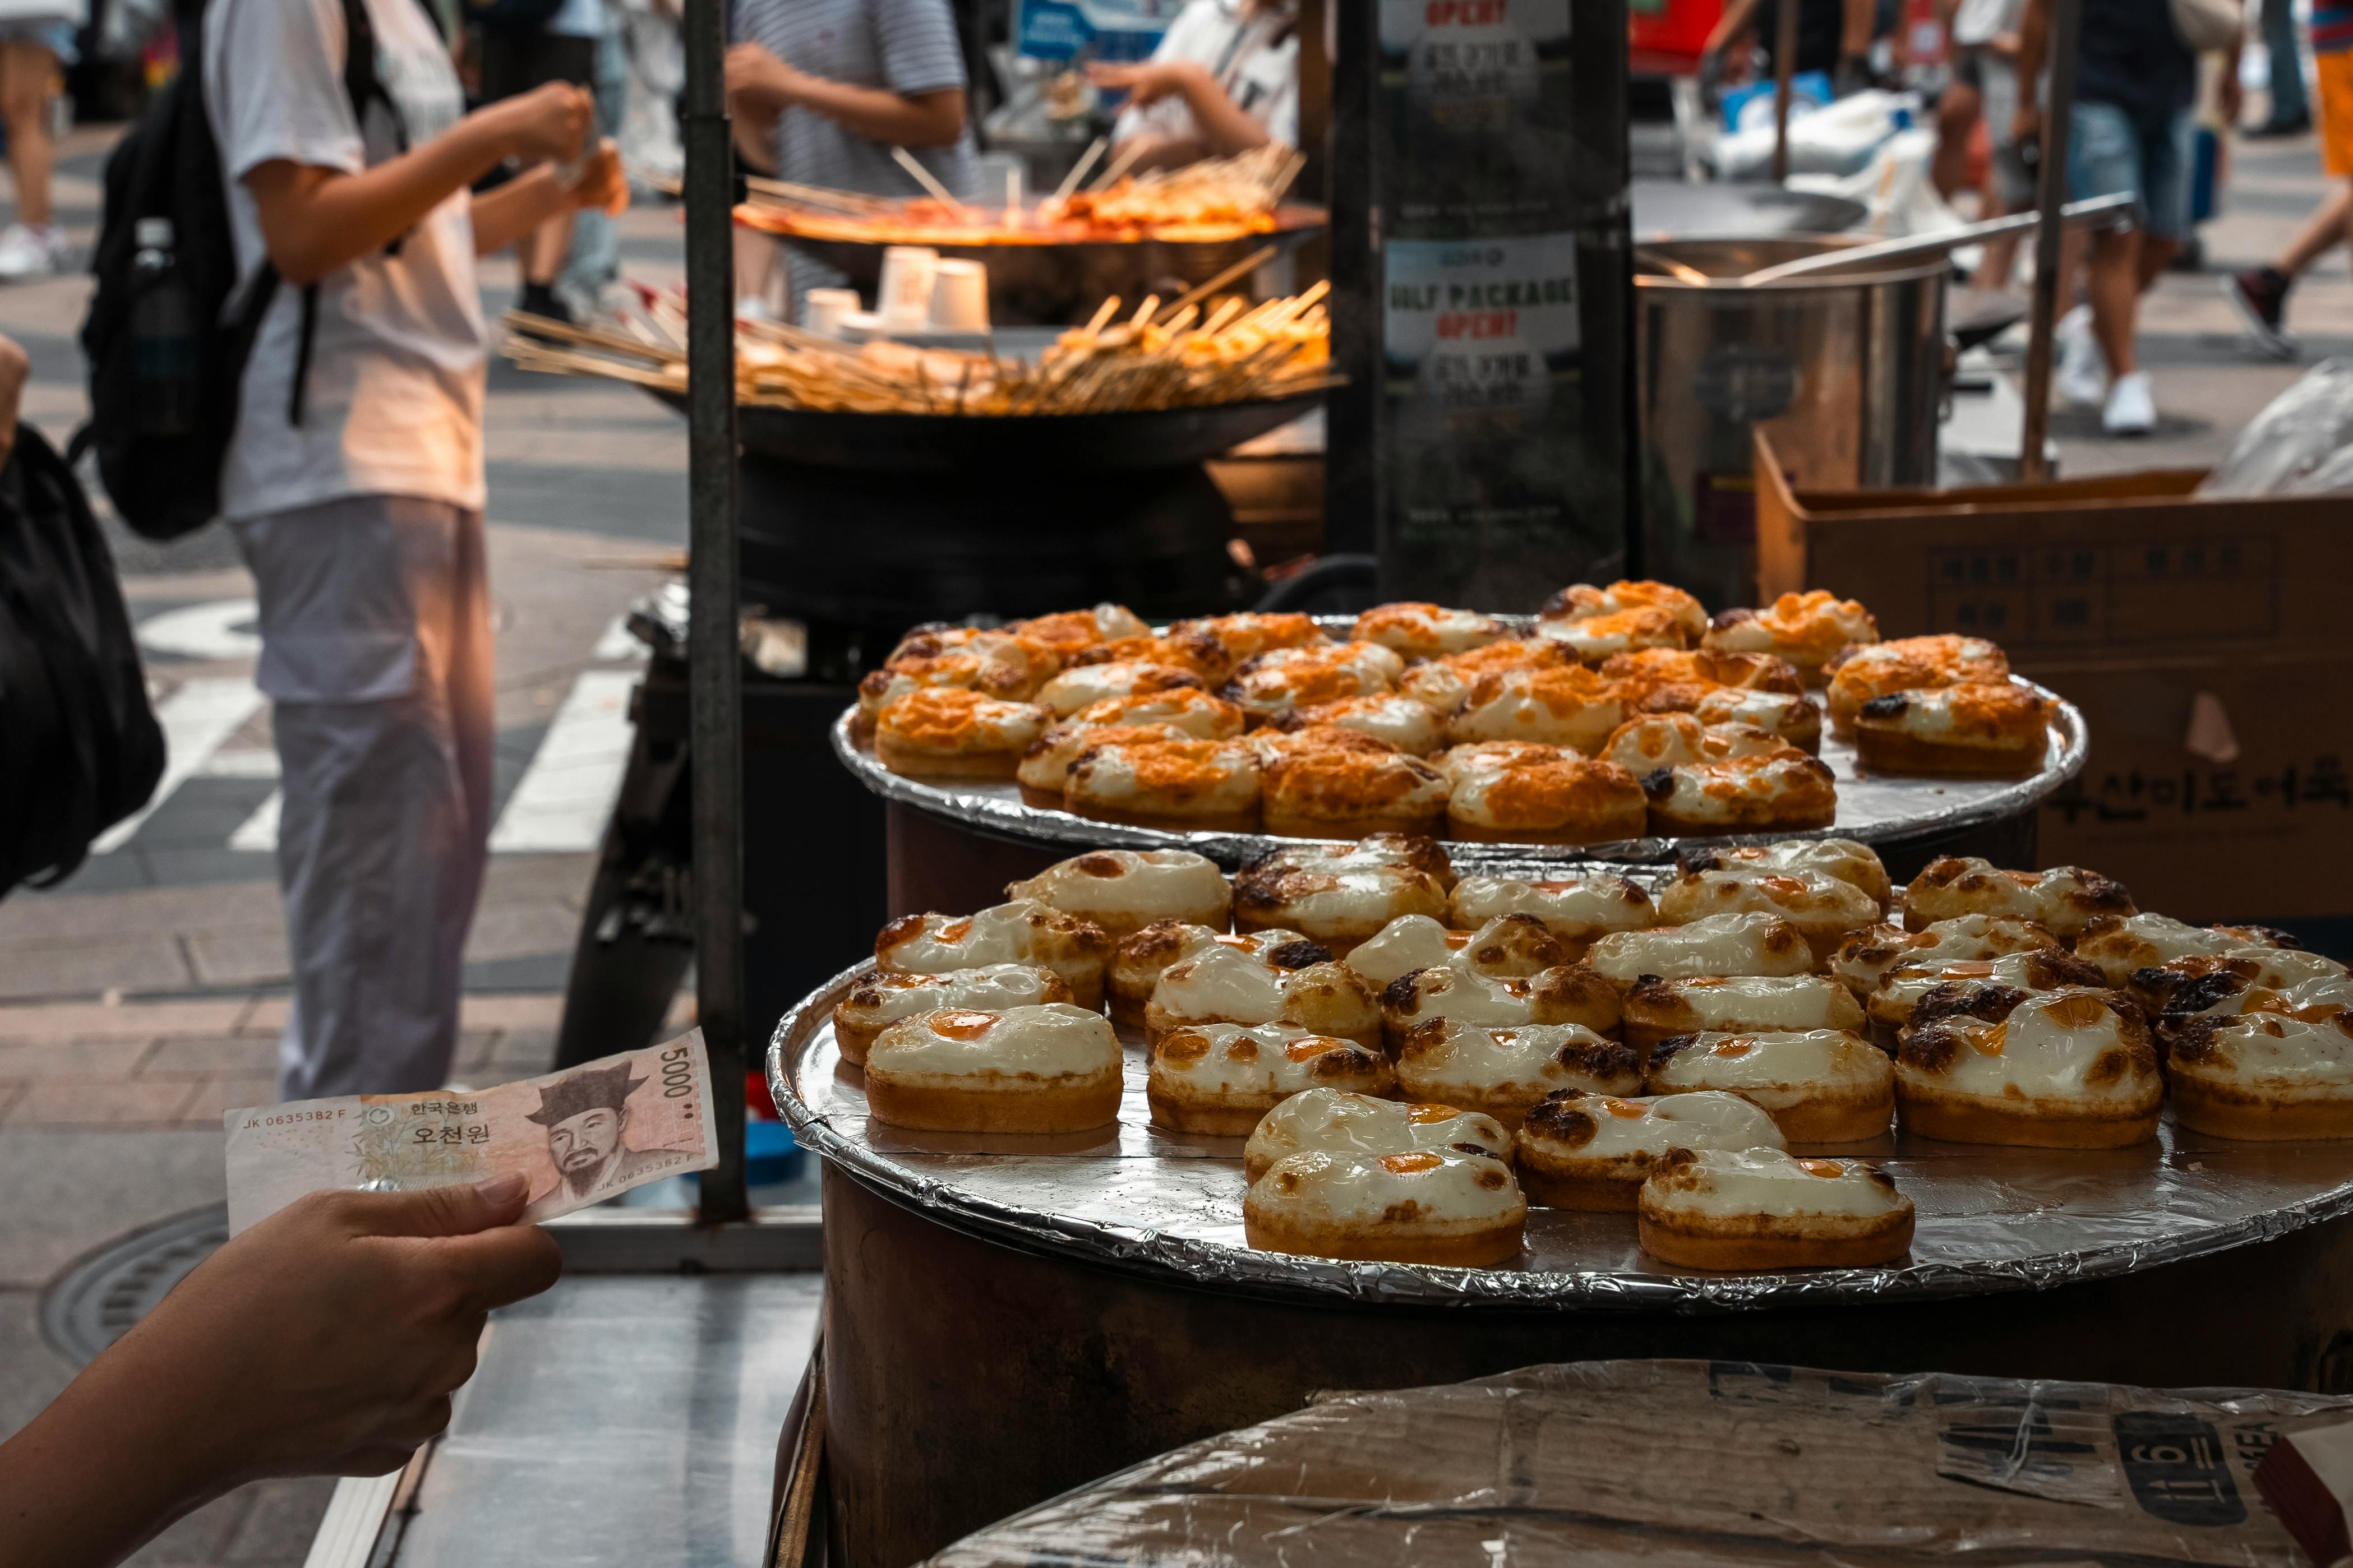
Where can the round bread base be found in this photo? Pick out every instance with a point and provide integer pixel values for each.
(852, 1040)
(1594, 1195)
(1206, 1120)
(1685, 1249)
(1044, 799)
(1601, 832)
(1086, 990)
(1668, 825)
(1293, 824)
(1124, 1011)
(915, 762)
(1206, 822)
(1078, 1107)
(1342, 940)
(1882, 752)
(1470, 1249)
(2237, 1113)
(1956, 1122)
(1836, 1121)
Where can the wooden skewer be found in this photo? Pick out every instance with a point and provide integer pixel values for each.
(1246, 266)
(815, 195)
(1079, 171)
(1119, 165)
(926, 178)
(1103, 313)
(591, 337)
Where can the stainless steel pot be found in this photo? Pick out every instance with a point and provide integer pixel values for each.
(1845, 373)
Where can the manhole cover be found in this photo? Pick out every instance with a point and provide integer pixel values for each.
(93, 1303)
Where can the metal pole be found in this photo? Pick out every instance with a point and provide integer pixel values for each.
(1785, 65)
(2058, 117)
(716, 668)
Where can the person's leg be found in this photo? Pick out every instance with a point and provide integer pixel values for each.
(375, 637)
(2103, 158)
(1957, 112)
(26, 73)
(2113, 281)
(541, 253)
(2164, 157)
(2290, 111)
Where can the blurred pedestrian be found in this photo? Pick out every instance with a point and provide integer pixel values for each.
(1835, 37)
(1983, 93)
(355, 486)
(1223, 79)
(519, 56)
(2259, 296)
(36, 43)
(2291, 106)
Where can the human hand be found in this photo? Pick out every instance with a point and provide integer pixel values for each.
(1148, 81)
(601, 182)
(15, 369)
(2231, 95)
(550, 121)
(756, 74)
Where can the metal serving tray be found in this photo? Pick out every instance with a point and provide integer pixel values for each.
(1136, 1199)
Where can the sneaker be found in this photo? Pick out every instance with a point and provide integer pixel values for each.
(28, 252)
(2132, 407)
(2082, 368)
(540, 300)
(2261, 299)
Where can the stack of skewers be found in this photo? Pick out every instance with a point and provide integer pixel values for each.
(1151, 358)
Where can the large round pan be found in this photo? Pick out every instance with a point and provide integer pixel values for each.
(1673, 209)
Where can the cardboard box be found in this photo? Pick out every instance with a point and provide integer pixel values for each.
(2204, 641)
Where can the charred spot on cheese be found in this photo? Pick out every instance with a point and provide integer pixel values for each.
(1891, 706)
(2200, 992)
(2196, 1043)
(1724, 620)
(1491, 1180)
(899, 930)
(1298, 954)
(1660, 784)
(1098, 864)
(1560, 1118)
(1184, 1047)
(1403, 994)
(1666, 1050)
(1342, 1061)
(1475, 1149)
(2055, 968)
(1931, 1051)
(1605, 1060)
(1242, 1049)
(1961, 999)
(2108, 1068)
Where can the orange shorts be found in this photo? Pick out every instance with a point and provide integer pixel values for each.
(2336, 73)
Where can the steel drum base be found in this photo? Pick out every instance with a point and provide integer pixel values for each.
(967, 1380)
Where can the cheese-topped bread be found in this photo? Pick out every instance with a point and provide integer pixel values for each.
(951, 732)
(2071, 1069)
(1504, 1070)
(1667, 681)
(1049, 1068)
(2123, 944)
(2063, 901)
(881, 998)
(1780, 789)
(1203, 655)
(1137, 962)
(1200, 715)
(1217, 1080)
(1752, 941)
(1561, 799)
(2266, 1075)
(1044, 771)
(1341, 894)
(1334, 1121)
(1571, 993)
(1576, 908)
(1441, 684)
(1657, 1010)
(1021, 932)
(1416, 630)
(1907, 664)
(1006, 673)
(1807, 630)
(1569, 707)
(1864, 959)
(1971, 730)
(1797, 720)
(1247, 635)
(1123, 891)
(1653, 740)
(1599, 638)
(2178, 983)
(1761, 1209)
(1329, 792)
(1515, 946)
(1822, 906)
(1578, 1150)
(1844, 859)
(1184, 785)
(1219, 983)
(1913, 995)
(1082, 685)
(1390, 717)
(1281, 680)
(1427, 1206)
(1067, 631)
(1583, 601)
(1820, 1086)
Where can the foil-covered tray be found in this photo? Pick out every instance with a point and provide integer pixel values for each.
(1875, 808)
(1135, 1197)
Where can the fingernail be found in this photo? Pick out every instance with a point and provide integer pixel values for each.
(499, 1191)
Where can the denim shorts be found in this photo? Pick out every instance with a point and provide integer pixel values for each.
(55, 35)
(2109, 151)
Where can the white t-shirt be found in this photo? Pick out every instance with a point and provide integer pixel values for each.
(394, 404)
(578, 19)
(1254, 58)
(1977, 21)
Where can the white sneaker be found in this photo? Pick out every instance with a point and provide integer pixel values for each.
(2132, 407)
(2083, 380)
(28, 252)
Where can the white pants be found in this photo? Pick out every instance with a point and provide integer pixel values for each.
(376, 655)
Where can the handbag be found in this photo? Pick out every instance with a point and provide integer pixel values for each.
(2207, 24)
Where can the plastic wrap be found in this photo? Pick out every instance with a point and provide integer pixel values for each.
(2287, 449)
(1132, 1197)
(1686, 1464)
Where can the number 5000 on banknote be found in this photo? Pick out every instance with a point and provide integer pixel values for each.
(576, 1137)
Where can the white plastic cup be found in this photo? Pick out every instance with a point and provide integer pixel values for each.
(903, 298)
(827, 307)
(960, 297)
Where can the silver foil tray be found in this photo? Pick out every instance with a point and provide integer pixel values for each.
(1134, 1197)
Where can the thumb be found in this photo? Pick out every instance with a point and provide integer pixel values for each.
(459, 1209)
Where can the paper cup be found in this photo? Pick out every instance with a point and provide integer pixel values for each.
(903, 298)
(960, 297)
(825, 308)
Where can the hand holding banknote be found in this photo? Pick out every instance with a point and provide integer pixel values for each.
(576, 1137)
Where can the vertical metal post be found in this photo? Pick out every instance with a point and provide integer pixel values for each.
(1785, 67)
(715, 675)
(2058, 117)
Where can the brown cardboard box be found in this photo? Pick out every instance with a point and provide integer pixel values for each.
(2204, 641)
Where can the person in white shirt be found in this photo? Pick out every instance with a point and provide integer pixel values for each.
(1224, 80)
(362, 522)
(36, 43)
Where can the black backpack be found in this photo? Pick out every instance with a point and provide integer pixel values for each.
(168, 165)
(80, 749)
(512, 15)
